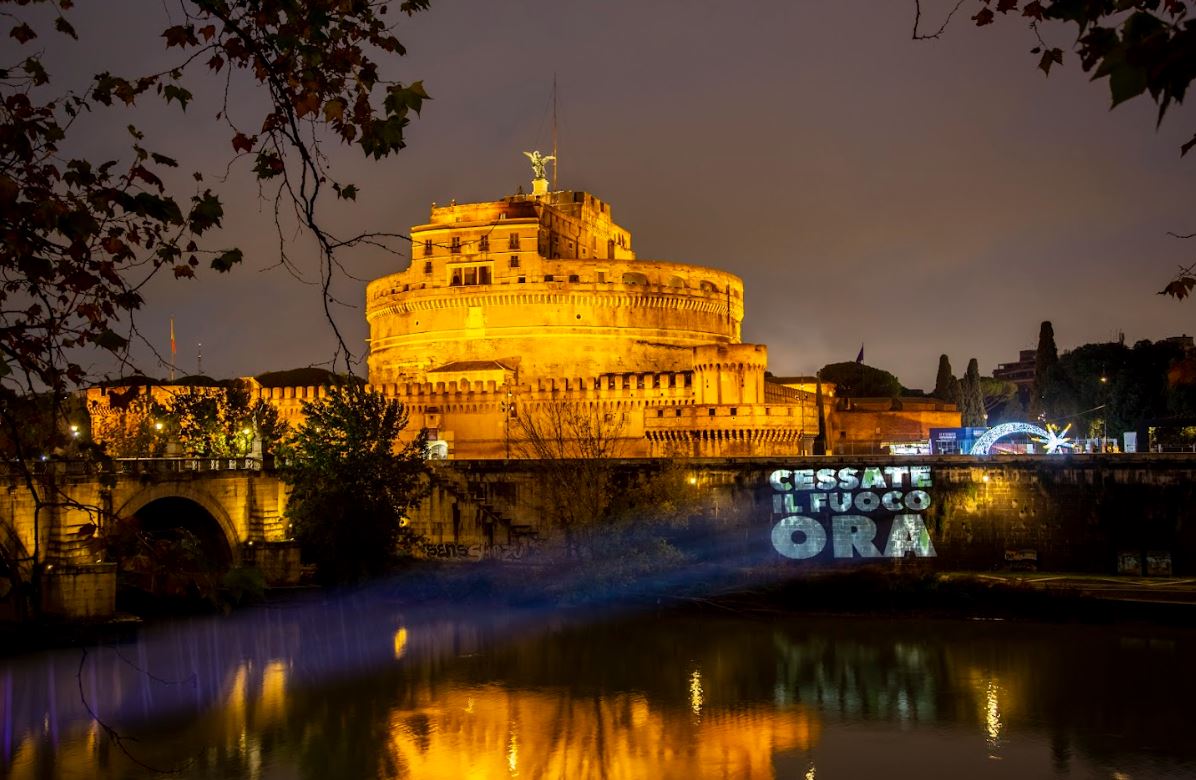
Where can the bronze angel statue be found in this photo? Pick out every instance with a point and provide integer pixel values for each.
(538, 162)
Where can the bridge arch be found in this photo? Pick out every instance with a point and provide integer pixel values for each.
(186, 493)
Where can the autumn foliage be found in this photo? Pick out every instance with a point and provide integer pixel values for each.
(82, 236)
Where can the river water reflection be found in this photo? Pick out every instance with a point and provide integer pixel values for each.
(362, 689)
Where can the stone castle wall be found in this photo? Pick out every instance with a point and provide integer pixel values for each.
(569, 316)
(658, 414)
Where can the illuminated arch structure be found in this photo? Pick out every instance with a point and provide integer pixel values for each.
(1053, 440)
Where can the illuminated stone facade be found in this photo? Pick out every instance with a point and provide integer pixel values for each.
(515, 306)
(512, 307)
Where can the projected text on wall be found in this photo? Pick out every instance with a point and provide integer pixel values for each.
(873, 512)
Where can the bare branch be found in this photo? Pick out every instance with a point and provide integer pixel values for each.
(942, 28)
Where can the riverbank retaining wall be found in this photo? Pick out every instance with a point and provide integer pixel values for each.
(1127, 514)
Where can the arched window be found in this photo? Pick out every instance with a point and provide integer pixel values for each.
(708, 286)
(676, 281)
(634, 278)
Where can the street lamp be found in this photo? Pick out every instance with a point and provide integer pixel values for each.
(506, 424)
(1104, 415)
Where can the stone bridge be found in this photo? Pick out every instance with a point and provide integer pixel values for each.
(231, 505)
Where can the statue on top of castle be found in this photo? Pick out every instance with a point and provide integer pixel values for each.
(538, 162)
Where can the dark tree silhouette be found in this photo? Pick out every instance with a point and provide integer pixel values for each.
(1045, 359)
(972, 401)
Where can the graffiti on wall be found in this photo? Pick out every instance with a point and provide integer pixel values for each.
(850, 512)
(479, 552)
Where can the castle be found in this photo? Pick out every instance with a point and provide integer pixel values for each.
(512, 310)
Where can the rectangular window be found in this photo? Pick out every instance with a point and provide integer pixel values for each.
(574, 278)
(710, 411)
(428, 267)
(514, 263)
(548, 277)
(522, 280)
(513, 241)
(484, 244)
(602, 277)
(428, 248)
(470, 275)
(455, 247)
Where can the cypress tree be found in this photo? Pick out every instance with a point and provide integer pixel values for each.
(972, 402)
(1045, 360)
(820, 439)
(946, 388)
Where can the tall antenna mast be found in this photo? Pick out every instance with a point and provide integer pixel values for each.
(554, 152)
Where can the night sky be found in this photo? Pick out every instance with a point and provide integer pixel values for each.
(916, 197)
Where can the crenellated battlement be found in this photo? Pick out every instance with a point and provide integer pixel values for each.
(659, 386)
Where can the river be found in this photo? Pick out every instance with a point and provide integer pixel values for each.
(365, 688)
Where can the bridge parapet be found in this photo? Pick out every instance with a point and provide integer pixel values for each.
(131, 466)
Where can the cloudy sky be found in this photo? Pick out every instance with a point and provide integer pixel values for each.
(915, 197)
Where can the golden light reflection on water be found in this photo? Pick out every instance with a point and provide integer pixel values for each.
(493, 732)
(273, 700)
(992, 716)
(513, 751)
(695, 692)
(400, 643)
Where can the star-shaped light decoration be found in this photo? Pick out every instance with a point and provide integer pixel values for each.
(1055, 439)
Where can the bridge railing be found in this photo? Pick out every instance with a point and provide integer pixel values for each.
(184, 465)
(136, 466)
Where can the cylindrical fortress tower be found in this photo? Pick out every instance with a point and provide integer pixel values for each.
(547, 286)
(729, 374)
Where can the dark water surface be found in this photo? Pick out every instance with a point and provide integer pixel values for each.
(363, 689)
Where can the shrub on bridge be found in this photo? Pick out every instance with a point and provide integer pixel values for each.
(353, 484)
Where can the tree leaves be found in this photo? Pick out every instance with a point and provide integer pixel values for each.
(180, 35)
(23, 33)
(175, 92)
(81, 235)
(1140, 46)
(1180, 287)
(65, 27)
(268, 165)
(243, 143)
(334, 110)
(206, 212)
(1187, 147)
(1050, 57)
(225, 261)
